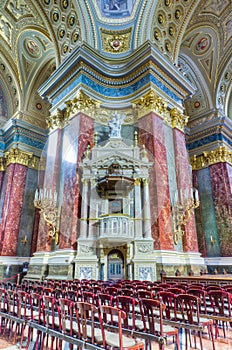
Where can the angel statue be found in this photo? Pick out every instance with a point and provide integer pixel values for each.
(115, 125)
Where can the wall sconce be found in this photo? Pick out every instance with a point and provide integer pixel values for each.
(181, 212)
(46, 202)
(212, 240)
(24, 240)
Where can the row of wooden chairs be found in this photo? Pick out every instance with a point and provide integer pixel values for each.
(90, 322)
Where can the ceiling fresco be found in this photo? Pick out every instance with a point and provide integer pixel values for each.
(36, 36)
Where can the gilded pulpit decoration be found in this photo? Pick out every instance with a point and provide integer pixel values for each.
(215, 156)
(80, 103)
(15, 155)
(57, 121)
(116, 41)
(178, 120)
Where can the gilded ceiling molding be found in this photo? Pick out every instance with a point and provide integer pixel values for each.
(17, 156)
(151, 102)
(116, 41)
(218, 155)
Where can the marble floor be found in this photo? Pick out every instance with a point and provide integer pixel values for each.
(220, 344)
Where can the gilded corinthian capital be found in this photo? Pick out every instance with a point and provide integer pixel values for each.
(80, 103)
(151, 102)
(178, 120)
(17, 156)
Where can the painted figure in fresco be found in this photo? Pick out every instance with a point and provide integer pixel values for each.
(115, 125)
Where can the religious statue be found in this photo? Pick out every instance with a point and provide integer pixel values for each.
(115, 125)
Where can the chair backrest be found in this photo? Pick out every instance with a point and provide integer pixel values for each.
(86, 312)
(202, 295)
(220, 302)
(169, 300)
(106, 299)
(110, 316)
(152, 314)
(127, 304)
(145, 294)
(176, 291)
(188, 307)
(66, 315)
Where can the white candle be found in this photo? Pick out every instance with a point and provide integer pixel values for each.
(36, 195)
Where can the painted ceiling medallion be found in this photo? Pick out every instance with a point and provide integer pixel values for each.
(32, 48)
(202, 44)
(116, 8)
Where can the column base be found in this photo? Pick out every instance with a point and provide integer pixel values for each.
(54, 265)
(221, 265)
(86, 261)
(170, 261)
(144, 260)
(11, 266)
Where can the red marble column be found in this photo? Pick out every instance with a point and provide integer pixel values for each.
(221, 181)
(151, 134)
(71, 203)
(12, 209)
(190, 243)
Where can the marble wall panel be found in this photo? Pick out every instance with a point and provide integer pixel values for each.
(199, 220)
(28, 214)
(208, 213)
(220, 175)
(184, 184)
(151, 134)
(78, 135)
(13, 209)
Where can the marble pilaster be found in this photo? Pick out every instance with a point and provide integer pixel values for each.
(11, 215)
(184, 186)
(151, 134)
(222, 198)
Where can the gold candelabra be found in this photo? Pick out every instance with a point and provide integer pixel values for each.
(181, 213)
(46, 201)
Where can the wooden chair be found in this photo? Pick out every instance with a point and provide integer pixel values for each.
(152, 316)
(51, 319)
(116, 339)
(188, 312)
(85, 328)
(130, 306)
(221, 304)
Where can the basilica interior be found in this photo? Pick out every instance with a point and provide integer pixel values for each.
(116, 138)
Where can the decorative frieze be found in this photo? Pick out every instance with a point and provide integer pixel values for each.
(217, 155)
(116, 41)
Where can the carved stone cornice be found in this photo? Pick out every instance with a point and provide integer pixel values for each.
(206, 159)
(58, 121)
(80, 103)
(151, 102)
(17, 156)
